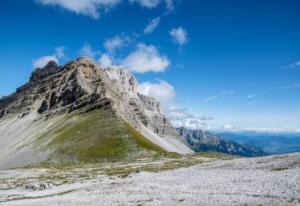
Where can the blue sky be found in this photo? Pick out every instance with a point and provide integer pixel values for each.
(233, 63)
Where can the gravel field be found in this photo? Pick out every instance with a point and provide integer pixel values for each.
(273, 180)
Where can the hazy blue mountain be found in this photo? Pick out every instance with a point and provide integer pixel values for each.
(201, 141)
(271, 144)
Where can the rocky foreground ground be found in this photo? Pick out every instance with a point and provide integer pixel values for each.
(209, 181)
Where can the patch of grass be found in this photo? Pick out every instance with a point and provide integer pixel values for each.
(280, 169)
(100, 136)
(216, 155)
(96, 136)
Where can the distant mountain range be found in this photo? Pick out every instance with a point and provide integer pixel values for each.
(201, 141)
(269, 143)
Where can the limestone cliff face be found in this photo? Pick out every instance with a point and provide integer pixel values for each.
(123, 80)
(82, 86)
(138, 108)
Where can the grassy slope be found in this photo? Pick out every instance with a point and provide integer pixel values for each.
(95, 136)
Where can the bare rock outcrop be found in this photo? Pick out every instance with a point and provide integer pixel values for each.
(80, 87)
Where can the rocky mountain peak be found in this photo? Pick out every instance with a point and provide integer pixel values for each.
(48, 70)
(82, 88)
(55, 89)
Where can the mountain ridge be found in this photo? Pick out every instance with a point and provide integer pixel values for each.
(98, 101)
(203, 141)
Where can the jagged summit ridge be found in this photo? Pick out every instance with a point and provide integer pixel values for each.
(40, 73)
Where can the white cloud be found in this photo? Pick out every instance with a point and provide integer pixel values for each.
(114, 43)
(177, 113)
(147, 3)
(60, 52)
(165, 94)
(227, 127)
(161, 91)
(42, 61)
(105, 61)
(92, 8)
(87, 51)
(179, 35)
(180, 117)
(85, 7)
(223, 93)
(152, 25)
(295, 65)
(170, 5)
(211, 98)
(146, 58)
(154, 3)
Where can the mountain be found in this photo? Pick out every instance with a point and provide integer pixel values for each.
(80, 112)
(199, 141)
(270, 143)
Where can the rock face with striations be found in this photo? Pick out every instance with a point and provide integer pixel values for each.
(66, 111)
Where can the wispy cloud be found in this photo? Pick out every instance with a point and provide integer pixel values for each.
(88, 51)
(105, 60)
(228, 92)
(223, 93)
(180, 117)
(152, 25)
(89, 8)
(42, 61)
(154, 3)
(179, 35)
(211, 98)
(93, 8)
(295, 65)
(251, 97)
(117, 42)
